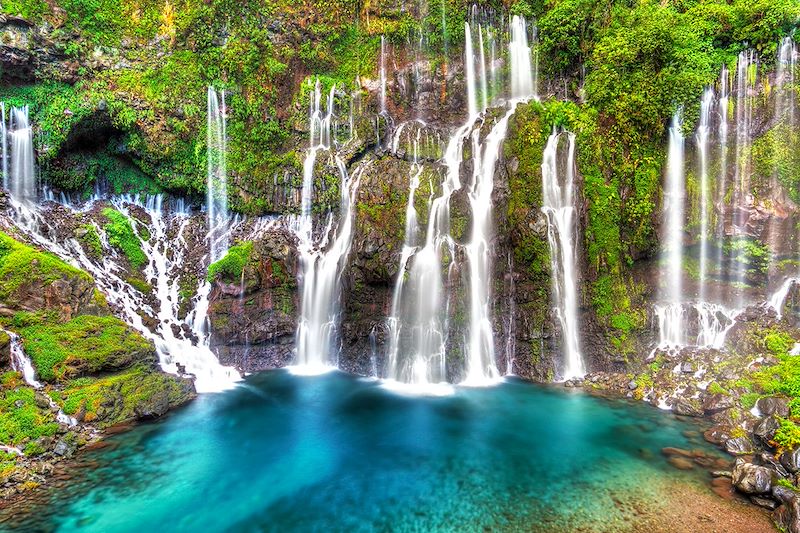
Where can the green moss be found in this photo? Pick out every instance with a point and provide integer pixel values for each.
(716, 388)
(85, 344)
(21, 266)
(140, 285)
(231, 267)
(121, 397)
(21, 420)
(90, 241)
(122, 236)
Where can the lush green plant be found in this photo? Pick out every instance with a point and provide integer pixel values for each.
(85, 344)
(122, 236)
(21, 265)
(231, 267)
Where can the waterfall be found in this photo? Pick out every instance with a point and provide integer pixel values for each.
(778, 298)
(674, 196)
(703, 325)
(3, 145)
(322, 261)
(558, 205)
(482, 59)
(383, 75)
(395, 324)
(703, 133)
(20, 362)
(520, 60)
(722, 133)
(165, 251)
(216, 178)
(746, 74)
(22, 174)
(318, 325)
(469, 72)
(480, 348)
(785, 99)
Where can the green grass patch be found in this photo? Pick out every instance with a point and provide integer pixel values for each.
(85, 344)
(122, 236)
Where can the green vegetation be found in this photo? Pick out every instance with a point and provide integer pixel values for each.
(231, 267)
(22, 266)
(21, 420)
(86, 344)
(122, 236)
(121, 397)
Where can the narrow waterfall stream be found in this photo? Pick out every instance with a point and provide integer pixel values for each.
(558, 204)
(22, 169)
(216, 178)
(180, 342)
(323, 259)
(702, 137)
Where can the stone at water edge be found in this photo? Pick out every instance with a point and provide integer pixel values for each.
(752, 479)
(716, 403)
(688, 407)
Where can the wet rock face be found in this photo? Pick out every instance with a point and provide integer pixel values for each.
(253, 322)
(28, 53)
(751, 479)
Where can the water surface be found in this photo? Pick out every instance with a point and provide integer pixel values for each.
(337, 453)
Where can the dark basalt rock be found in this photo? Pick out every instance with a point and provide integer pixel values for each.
(715, 403)
(773, 405)
(739, 446)
(791, 460)
(688, 407)
(766, 429)
(750, 478)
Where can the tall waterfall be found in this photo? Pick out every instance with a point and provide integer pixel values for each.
(786, 97)
(383, 75)
(670, 311)
(558, 204)
(674, 196)
(702, 137)
(722, 134)
(216, 177)
(519, 54)
(322, 260)
(746, 75)
(3, 145)
(469, 72)
(22, 172)
(418, 325)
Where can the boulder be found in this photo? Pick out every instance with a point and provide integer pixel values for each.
(750, 478)
(716, 403)
(739, 446)
(791, 460)
(773, 405)
(787, 516)
(765, 430)
(688, 407)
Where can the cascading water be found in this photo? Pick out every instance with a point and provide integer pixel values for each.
(418, 325)
(165, 251)
(746, 75)
(3, 145)
(216, 177)
(786, 97)
(519, 54)
(322, 262)
(22, 172)
(702, 137)
(722, 133)
(558, 205)
(670, 311)
(20, 362)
